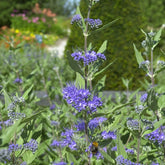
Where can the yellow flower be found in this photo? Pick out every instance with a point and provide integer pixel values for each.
(32, 35)
(16, 31)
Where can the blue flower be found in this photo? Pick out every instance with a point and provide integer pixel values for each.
(94, 23)
(18, 80)
(133, 124)
(157, 136)
(144, 97)
(88, 58)
(38, 38)
(80, 126)
(80, 99)
(52, 107)
(60, 163)
(76, 19)
(14, 147)
(31, 145)
(96, 122)
(108, 135)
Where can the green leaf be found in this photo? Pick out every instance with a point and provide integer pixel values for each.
(7, 99)
(25, 95)
(71, 158)
(73, 64)
(103, 47)
(80, 81)
(107, 157)
(105, 26)
(161, 101)
(79, 12)
(158, 34)
(152, 100)
(25, 120)
(119, 107)
(101, 71)
(138, 55)
(120, 147)
(11, 131)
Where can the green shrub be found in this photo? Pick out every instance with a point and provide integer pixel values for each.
(121, 36)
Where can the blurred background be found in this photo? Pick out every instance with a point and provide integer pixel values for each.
(45, 22)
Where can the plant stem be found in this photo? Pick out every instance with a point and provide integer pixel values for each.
(152, 68)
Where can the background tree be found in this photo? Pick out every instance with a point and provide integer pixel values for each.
(120, 36)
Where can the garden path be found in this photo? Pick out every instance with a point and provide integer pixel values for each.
(58, 48)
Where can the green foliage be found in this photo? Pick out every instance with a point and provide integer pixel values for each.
(7, 7)
(120, 36)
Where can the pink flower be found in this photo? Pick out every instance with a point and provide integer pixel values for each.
(43, 19)
(12, 14)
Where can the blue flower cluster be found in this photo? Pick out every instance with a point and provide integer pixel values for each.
(139, 108)
(96, 122)
(31, 145)
(52, 107)
(157, 136)
(89, 57)
(38, 38)
(80, 126)
(76, 19)
(133, 124)
(14, 147)
(18, 80)
(16, 115)
(121, 161)
(130, 151)
(6, 123)
(144, 64)
(143, 98)
(94, 23)
(80, 99)
(23, 163)
(108, 135)
(67, 141)
(60, 163)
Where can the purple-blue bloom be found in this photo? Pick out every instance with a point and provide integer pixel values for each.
(133, 124)
(76, 19)
(60, 163)
(94, 23)
(153, 163)
(114, 148)
(52, 107)
(14, 147)
(80, 99)
(108, 135)
(23, 163)
(144, 97)
(157, 136)
(96, 122)
(80, 126)
(18, 80)
(88, 58)
(121, 161)
(31, 145)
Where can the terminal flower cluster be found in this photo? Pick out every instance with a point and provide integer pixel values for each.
(80, 99)
(121, 161)
(94, 23)
(108, 135)
(14, 147)
(133, 124)
(96, 122)
(76, 19)
(67, 141)
(31, 145)
(90, 57)
(157, 136)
